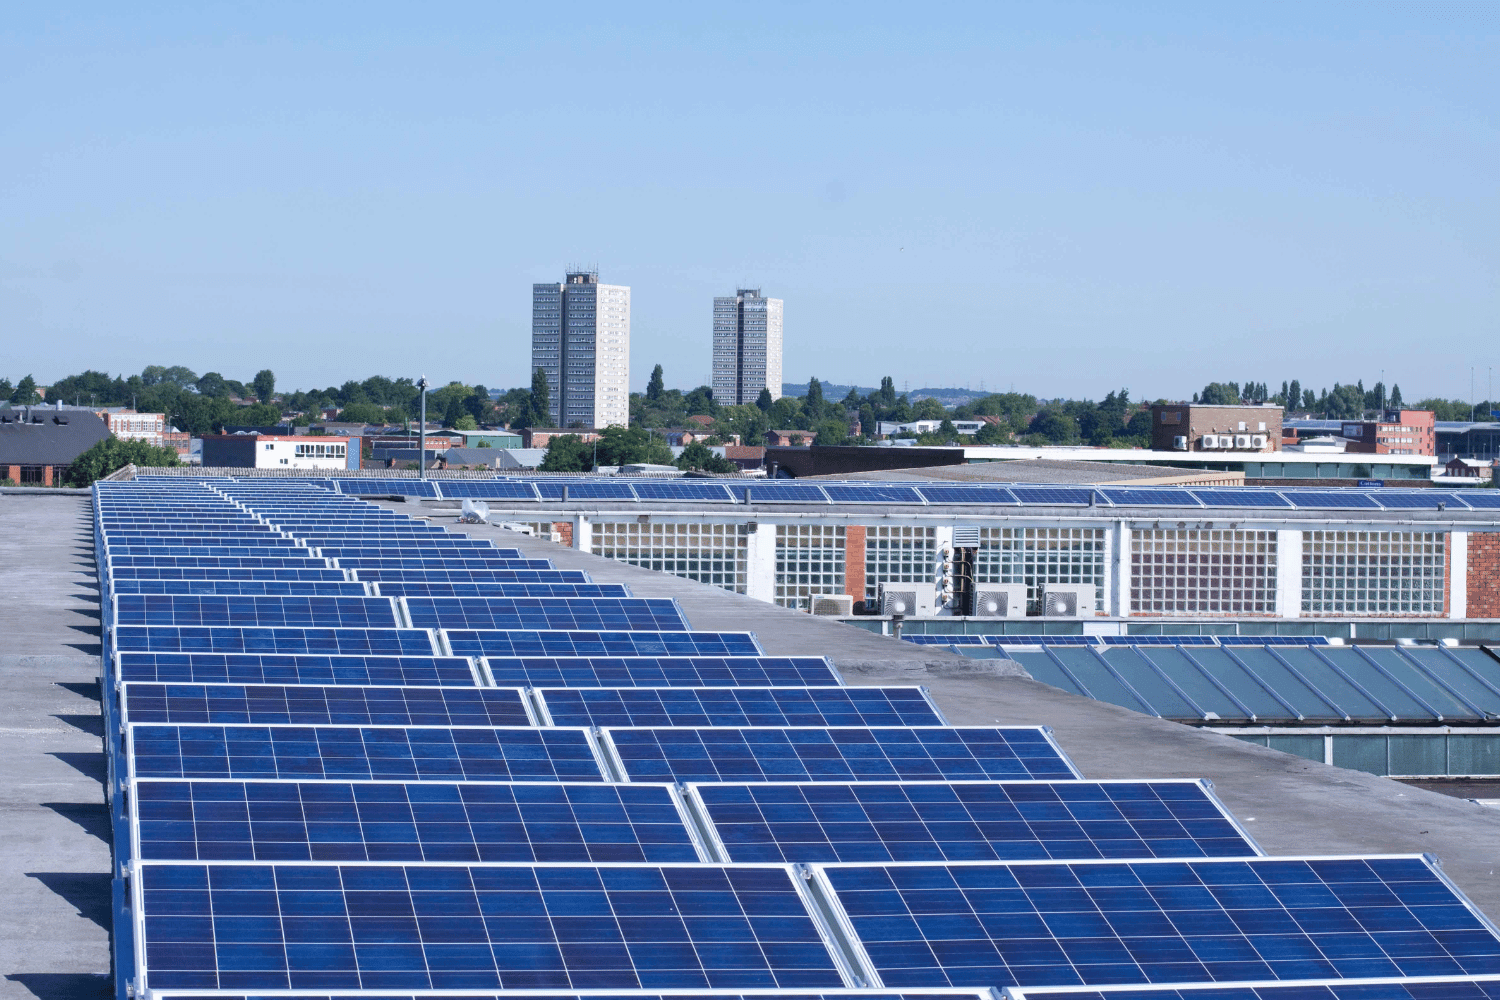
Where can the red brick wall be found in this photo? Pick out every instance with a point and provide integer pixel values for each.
(564, 530)
(1484, 575)
(854, 561)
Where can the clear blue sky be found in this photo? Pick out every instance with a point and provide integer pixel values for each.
(1062, 197)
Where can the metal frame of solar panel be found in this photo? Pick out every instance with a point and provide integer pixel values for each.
(845, 753)
(315, 705)
(659, 671)
(1416, 988)
(737, 706)
(570, 614)
(940, 821)
(583, 643)
(313, 669)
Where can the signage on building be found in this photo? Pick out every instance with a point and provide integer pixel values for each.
(1371, 483)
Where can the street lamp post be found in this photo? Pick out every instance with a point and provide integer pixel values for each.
(422, 431)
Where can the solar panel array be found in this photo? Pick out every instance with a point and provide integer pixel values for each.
(939, 639)
(353, 755)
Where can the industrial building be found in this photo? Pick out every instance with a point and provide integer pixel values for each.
(580, 338)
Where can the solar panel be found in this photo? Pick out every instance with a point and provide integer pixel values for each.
(969, 821)
(117, 563)
(682, 492)
(392, 487)
(1140, 497)
(244, 588)
(439, 574)
(331, 927)
(871, 493)
(1043, 640)
(1055, 495)
(1415, 499)
(1231, 497)
(316, 573)
(486, 489)
(257, 668)
(1115, 923)
(659, 671)
(739, 706)
(248, 612)
(399, 588)
(588, 644)
(944, 640)
(442, 562)
(779, 754)
(1477, 988)
(330, 641)
(544, 613)
(1157, 640)
(1331, 499)
(967, 494)
(239, 704)
(314, 753)
(583, 489)
(1480, 499)
(1272, 640)
(784, 491)
(427, 821)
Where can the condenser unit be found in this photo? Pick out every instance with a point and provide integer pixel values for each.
(1180, 442)
(831, 605)
(1004, 600)
(1242, 442)
(1257, 441)
(903, 600)
(1210, 441)
(1067, 600)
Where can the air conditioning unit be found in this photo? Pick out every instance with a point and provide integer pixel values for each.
(1257, 441)
(1068, 600)
(1242, 442)
(1006, 600)
(904, 600)
(1180, 442)
(1210, 441)
(831, 605)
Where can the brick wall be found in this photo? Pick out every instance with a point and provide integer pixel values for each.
(564, 530)
(1484, 575)
(854, 561)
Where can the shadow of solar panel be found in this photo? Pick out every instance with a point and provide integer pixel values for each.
(1127, 497)
(933, 493)
(362, 753)
(478, 927)
(1055, 495)
(1117, 923)
(342, 705)
(783, 492)
(871, 493)
(1477, 988)
(487, 489)
(243, 588)
(589, 644)
(258, 668)
(547, 613)
(847, 754)
(739, 706)
(249, 611)
(660, 671)
(1230, 497)
(468, 822)
(332, 641)
(399, 588)
(969, 821)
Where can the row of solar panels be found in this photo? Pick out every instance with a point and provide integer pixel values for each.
(272, 857)
(933, 639)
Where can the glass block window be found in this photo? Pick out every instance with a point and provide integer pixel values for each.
(896, 554)
(1203, 572)
(1035, 556)
(540, 529)
(809, 560)
(1372, 573)
(709, 553)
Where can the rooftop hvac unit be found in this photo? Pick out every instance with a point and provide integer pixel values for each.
(1005, 600)
(831, 605)
(903, 601)
(1180, 442)
(1210, 441)
(1257, 441)
(1068, 600)
(1242, 442)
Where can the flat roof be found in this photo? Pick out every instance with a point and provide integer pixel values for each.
(1035, 470)
(1142, 456)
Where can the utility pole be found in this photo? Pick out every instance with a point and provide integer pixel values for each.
(422, 431)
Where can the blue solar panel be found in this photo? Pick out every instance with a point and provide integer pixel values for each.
(481, 927)
(1158, 640)
(660, 671)
(739, 706)
(443, 562)
(1331, 499)
(1481, 499)
(1478, 988)
(1142, 497)
(486, 489)
(676, 491)
(441, 574)
(967, 494)
(196, 551)
(969, 821)
(257, 668)
(1043, 640)
(1272, 640)
(306, 705)
(1232, 497)
(1108, 923)
(545, 613)
(248, 612)
(329, 641)
(349, 554)
(384, 487)
(783, 491)
(473, 821)
(588, 644)
(315, 753)
(399, 588)
(245, 588)
(117, 563)
(584, 489)
(913, 754)
(871, 493)
(944, 640)
(1415, 499)
(318, 572)
(1055, 495)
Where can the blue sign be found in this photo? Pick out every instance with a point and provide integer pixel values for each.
(1495, 413)
(1371, 483)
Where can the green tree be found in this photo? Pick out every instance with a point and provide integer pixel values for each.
(25, 393)
(177, 375)
(539, 409)
(212, 384)
(466, 423)
(1395, 397)
(1054, 425)
(567, 453)
(1294, 395)
(632, 446)
(362, 413)
(701, 402)
(656, 386)
(813, 401)
(112, 454)
(264, 384)
(832, 432)
(1220, 394)
(929, 409)
(6, 388)
(764, 401)
(947, 431)
(697, 456)
(992, 434)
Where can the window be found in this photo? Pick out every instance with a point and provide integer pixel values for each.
(1372, 573)
(809, 560)
(1041, 555)
(270, 447)
(33, 475)
(895, 554)
(709, 553)
(1205, 572)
